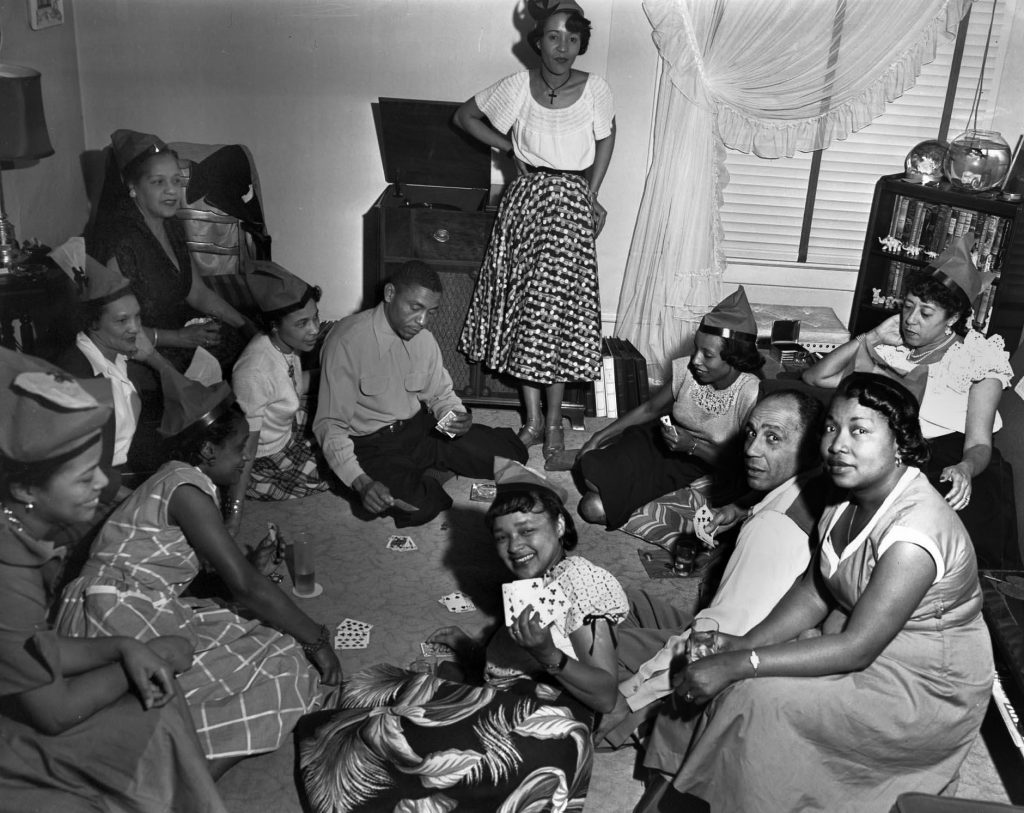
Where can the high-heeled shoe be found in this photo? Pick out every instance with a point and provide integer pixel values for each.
(531, 434)
(554, 441)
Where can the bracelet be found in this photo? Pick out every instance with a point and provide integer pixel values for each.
(556, 668)
(235, 507)
(156, 337)
(693, 448)
(323, 640)
(754, 660)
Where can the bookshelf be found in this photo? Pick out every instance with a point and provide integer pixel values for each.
(910, 224)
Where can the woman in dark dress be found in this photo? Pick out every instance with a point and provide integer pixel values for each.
(136, 223)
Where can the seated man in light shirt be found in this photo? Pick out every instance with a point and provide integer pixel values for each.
(383, 389)
(774, 546)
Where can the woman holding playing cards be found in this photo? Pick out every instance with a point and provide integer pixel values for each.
(890, 696)
(521, 732)
(637, 459)
(251, 678)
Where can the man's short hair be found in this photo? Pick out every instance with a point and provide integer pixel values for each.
(811, 416)
(416, 274)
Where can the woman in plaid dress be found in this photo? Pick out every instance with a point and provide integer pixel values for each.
(535, 313)
(249, 682)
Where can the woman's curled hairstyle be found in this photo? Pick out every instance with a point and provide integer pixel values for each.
(533, 501)
(741, 355)
(187, 445)
(575, 24)
(952, 300)
(899, 406)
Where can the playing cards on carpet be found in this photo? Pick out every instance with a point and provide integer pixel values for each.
(352, 634)
(483, 492)
(432, 650)
(401, 543)
(457, 602)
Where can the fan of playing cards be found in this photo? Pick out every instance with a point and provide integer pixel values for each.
(548, 601)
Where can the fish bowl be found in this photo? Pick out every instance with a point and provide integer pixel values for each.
(977, 160)
(923, 163)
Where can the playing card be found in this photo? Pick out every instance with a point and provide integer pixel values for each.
(442, 424)
(457, 602)
(548, 601)
(666, 421)
(483, 492)
(352, 634)
(701, 520)
(432, 650)
(352, 639)
(401, 543)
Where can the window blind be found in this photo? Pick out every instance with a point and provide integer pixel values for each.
(764, 201)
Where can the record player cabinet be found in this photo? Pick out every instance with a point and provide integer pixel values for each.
(439, 207)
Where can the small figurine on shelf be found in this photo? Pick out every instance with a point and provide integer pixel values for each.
(912, 251)
(876, 297)
(891, 244)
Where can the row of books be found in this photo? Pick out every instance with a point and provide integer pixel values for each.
(897, 278)
(922, 229)
(623, 384)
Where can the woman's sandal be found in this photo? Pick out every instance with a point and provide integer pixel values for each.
(531, 434)
(554, 441)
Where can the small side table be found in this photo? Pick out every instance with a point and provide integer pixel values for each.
(36, 308)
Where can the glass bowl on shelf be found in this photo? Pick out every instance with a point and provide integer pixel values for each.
(977, 160)
(923, 163)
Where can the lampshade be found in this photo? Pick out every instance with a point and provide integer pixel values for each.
(23, 132)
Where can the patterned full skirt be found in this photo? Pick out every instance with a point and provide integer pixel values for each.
(535, 313)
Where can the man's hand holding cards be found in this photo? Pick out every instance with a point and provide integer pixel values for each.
(454, 422)
(702, 518)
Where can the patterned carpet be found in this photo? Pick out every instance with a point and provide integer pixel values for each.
(398, 593)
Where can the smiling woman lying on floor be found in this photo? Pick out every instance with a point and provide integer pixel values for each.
(526, 733)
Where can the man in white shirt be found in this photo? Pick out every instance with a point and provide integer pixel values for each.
(782, 459)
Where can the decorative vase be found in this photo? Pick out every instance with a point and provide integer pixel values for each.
(977, 160)
(923, 164)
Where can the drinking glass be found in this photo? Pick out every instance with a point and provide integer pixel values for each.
(703, 639)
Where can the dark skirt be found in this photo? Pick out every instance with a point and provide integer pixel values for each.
(536, 312)
(410, 736)
(991, 515)
(636, 468)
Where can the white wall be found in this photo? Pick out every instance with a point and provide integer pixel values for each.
(294, 80)
(46, 199)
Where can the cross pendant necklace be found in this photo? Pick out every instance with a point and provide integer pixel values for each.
(553, 91)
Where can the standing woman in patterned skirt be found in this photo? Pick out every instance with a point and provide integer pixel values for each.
(535, 314)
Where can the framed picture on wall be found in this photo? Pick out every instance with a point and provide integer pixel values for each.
(45, 13)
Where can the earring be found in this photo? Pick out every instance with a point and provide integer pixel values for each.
(131, 193)
(29, 506)
(949, 330)
(899, 459)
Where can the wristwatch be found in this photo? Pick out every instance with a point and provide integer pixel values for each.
(556, 668)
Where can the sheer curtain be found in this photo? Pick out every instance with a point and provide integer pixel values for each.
(771, 77)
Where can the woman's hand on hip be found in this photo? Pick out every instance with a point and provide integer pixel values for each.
(600, 215)
(959, 495)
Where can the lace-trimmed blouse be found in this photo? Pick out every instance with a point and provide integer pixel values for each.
(560, 138)
(944, 406)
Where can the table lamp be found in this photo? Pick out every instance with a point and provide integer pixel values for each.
(23, 137)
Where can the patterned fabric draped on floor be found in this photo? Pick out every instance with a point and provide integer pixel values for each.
(535, 312)
(410, 741)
